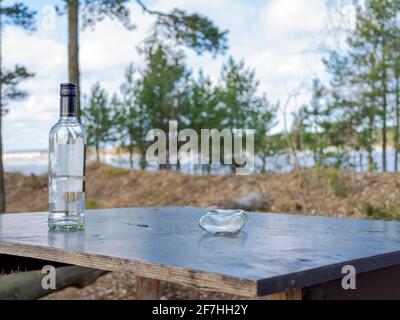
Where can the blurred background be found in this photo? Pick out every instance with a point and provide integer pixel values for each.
(319, 81)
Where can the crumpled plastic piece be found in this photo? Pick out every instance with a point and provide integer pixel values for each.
(223, 221)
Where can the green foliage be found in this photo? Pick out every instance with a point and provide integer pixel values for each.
(97, 118)
(9, 81)
(115, 171)
(358, 101)
(322, 128)
(18, 14)
(164, 89)
(93, 11)
(192, 31)
(378, 213)
(91, 204)
(361, 97)
(200, 107)
(163, 85)
(338, 184)
(132, 118)
(96, 10)
(238, 87)
(241, 107)
(363, 93)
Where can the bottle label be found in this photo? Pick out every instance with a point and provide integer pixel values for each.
(70, 160)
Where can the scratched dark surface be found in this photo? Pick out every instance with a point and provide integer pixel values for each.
(277, 251)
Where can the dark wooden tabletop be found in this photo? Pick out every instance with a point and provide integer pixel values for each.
(273, 253)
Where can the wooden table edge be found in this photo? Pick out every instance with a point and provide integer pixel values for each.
(296, 281)
(190, 277)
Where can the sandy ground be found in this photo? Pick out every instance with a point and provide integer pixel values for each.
(121, 286)
(316, 192)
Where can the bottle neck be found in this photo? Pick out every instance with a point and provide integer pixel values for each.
(68, 107)
(68, 119)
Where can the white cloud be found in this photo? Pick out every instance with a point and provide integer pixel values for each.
(109, 48)
(277, 38)
(300, 17)
(27, 124)
(104, 54)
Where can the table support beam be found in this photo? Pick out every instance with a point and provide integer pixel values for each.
(147, 289)
(294, 294)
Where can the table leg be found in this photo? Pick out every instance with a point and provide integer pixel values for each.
(147, 289)
(294, 294)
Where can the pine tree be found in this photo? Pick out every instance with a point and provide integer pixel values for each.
(132, 118)
(263, 120)
(363, 86)
(163, 86)
(97, 118)
(242, 107)
(369, 50)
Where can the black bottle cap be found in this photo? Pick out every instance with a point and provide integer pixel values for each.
(68, 106)
(67, 90)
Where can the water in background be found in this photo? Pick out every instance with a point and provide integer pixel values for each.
(26, 162)
(36, 162)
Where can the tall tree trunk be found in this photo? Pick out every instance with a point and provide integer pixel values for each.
(397, 132)
(131, 157)
(2, 190)
(130, 149)
(384, 132)
(369, 144)
(384, 107)
(384, 117)
(73, 47)
(143, 162)
(264, 163)
(97, 153)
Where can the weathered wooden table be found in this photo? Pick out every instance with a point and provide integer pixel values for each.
(277, 256)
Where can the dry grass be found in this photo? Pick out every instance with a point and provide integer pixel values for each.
(315, 191)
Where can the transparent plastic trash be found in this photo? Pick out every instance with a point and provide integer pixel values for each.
(223, 221)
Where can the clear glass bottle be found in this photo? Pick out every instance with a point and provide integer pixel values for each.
(67, 155)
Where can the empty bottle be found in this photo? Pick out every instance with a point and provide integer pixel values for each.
(67, 155)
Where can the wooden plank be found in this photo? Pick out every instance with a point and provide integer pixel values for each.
(274, 253)
(294, 294)
(147, 289)
(193, 278)
(11, 264)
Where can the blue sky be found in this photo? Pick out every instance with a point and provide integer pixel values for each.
(280, 39)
